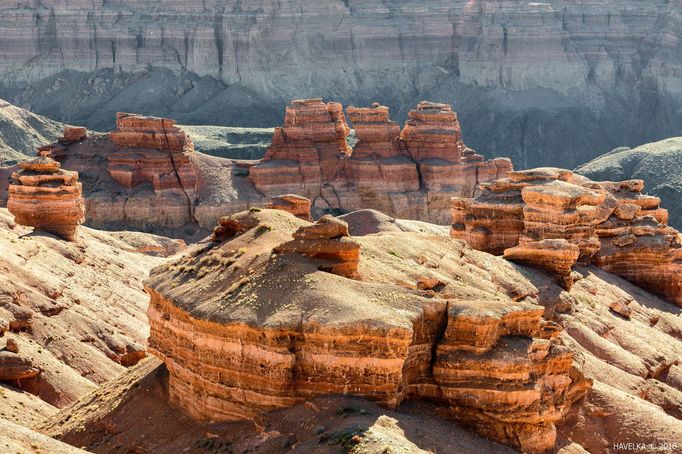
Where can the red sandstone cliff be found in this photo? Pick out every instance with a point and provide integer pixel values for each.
(146, 174)
(274, 322)
(409, 174)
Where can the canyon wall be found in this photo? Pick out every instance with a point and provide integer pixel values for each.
(536, 81)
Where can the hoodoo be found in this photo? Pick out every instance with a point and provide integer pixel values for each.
(546, 216)
(47, 198)
(407, 174)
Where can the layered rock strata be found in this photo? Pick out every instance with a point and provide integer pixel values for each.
(292, 203)
(47, 198)
(305, 151)
(73, 134)
(327, 241)
(557, 256)
(243, 331)
(611, 224)
(146, 174)
(151, 150)
(408, 174)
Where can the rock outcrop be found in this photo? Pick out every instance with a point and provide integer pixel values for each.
(409, 174)
(243, 331)
(47, 198)
(146, 175)
(657, 163)
(151, 150)
(544, 216)
(306, 151)
(328, 243)
(292, 203)
(556, 255)
(73, 134)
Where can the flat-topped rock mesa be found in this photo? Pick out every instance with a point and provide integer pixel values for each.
(610, 224)
(47, 198)
(247, 323)
(153, 150)
(407, 174)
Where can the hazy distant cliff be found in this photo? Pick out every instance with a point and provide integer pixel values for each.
(545, 82)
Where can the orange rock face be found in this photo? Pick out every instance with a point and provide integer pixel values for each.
(292, 203)
(557, 255)
(327, 242)
(243, 331)
(151, 150)
(433, 132)
(47, 198)
(409, 174)
(610, 224)
(637, 244)
(306, 151)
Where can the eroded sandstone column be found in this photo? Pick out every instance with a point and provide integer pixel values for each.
(305, 151)
(47, 198)
(151, 150)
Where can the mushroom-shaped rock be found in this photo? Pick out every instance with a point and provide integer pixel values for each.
(328, 242)
(295, 204)
(47, 198)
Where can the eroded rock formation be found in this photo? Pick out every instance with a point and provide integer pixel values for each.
(292, 203)
(408, 174)
(327, 242)
(611, 224)
(152, 179)
(47, 198)
(243, 331)
(151, 150)
(73, 134)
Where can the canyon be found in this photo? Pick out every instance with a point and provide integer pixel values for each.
(545, 83)
(386, 290)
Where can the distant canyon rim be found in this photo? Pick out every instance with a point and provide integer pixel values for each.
(544, 83)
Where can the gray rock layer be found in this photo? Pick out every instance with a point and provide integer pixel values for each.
(553, 82)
